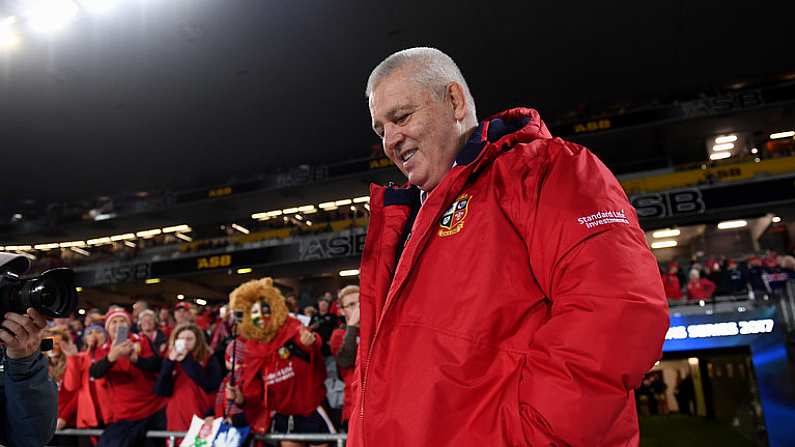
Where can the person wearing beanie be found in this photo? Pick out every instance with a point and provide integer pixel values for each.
(129, 369)
(93, 401)
(188, 377)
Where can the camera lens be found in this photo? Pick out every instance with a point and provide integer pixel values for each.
(53, 294)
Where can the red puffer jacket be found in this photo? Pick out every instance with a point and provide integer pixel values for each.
(93, 401)
(525, 306)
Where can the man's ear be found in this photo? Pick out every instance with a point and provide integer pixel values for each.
(457, 98)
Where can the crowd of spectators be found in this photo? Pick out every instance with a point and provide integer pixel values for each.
(128, 371)
(703, 278)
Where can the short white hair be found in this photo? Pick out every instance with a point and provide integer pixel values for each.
(428, 67)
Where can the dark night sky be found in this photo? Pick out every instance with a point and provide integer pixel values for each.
(181, 93)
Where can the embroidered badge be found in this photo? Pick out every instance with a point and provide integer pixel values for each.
(284, 353)
(452, 221)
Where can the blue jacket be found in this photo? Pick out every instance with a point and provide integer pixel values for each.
(29, 402)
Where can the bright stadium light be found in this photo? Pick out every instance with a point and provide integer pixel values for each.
(241, 228)
(98, 7)
(661, 234)
(720, 155)
(725, 139)
(353, 272)
(780, 135)
(730, 224)
(200, 302)
(664, 244)
(9, 37)
(722, 147)
(49, 16)
(776, 219)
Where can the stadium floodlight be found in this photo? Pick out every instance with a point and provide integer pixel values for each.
(730, 224)
(328, 206)
(664, 244)
(72, 244)
(123, 237)
(343, 202)
(776, 219)
(46, 246)
(784, 134)
(49, 16)
(720, 155)
(81, 311)
(725, 139)
(9, 37)
(146, 234)
(244, 270)
(241, 228)
(290, 210)
(99, 241)
(98, 7)
(152, 281)
(353, 272)
(308, 223)
(307, 208)
(200, 302)
(362, 199)
(180, 297)
(80, 251)
(722, 147)
(661, 234)
(184, 237)
(178, 228)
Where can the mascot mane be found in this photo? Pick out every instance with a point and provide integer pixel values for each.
(256, 291)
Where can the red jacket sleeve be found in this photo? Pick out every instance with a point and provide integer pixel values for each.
(608, 314)
(337, 337)
(73, 376)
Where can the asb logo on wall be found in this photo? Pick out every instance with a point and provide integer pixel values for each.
(452, 221)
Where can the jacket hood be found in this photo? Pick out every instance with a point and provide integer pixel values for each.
(505, 129)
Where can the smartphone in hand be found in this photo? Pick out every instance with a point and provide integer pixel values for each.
(121, 334)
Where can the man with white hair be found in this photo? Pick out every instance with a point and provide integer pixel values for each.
(507, 293)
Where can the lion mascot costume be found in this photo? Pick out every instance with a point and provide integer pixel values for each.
(282, 376)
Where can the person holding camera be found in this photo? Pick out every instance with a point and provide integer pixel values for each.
(188, 377)
(28, 397)
(129, 370)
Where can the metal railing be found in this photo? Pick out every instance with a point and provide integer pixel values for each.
(339, 438)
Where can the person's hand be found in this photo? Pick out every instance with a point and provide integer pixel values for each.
(134, 353)
(68, 348)
(60, 424)
(307, 336)
(123, 349)
(234, 393)
(24, 338)
(172, 354)
(352, 317)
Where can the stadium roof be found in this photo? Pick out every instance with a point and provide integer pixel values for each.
(176, 94)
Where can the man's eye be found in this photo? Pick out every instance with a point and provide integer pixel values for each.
(402, 118)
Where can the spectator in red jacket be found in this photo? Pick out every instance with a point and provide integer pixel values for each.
(699, 288)
(150, 333)
(345, 343)
(129, 369)
(183, 313)
(188, 377)
(62, 346)
(165, 322)
(673, 289)
(93, 401)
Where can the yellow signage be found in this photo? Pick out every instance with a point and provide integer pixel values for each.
(220, 192)
(381, 163)
(695, 177)
(592, 126)
(212, 262)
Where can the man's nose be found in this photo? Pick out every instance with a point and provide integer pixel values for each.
(392, 140)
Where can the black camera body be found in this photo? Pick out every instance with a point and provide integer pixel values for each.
(51, 293)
